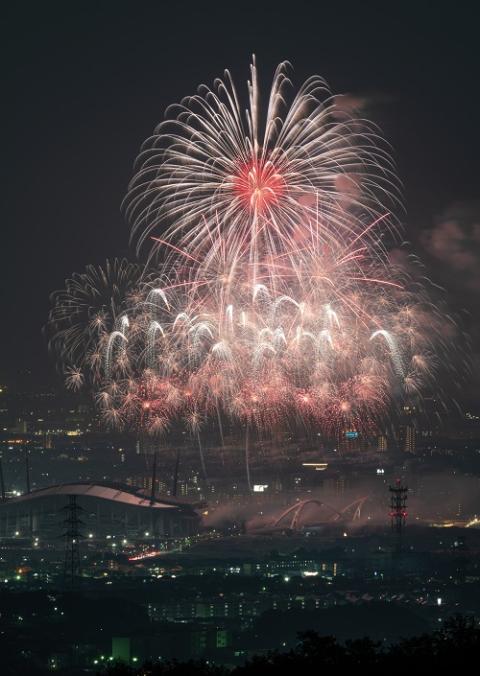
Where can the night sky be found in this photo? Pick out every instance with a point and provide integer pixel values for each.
(85, 83)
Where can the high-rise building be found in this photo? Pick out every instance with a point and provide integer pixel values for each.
(348, 441)
(382, 443)
(410, 437)
(408, 429)
(340, 485)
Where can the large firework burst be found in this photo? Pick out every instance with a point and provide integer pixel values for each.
(330, 344)
(86, 311)
(259, 179)
(277, 301)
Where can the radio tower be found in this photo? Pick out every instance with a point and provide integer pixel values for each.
(398, 509)
(72, 537)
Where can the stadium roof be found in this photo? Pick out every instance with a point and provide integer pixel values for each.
(100, 492)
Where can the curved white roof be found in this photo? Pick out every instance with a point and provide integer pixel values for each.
(95, 491)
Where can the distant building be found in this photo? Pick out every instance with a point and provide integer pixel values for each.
(121, 649)
(410, 439)
(408, 429)
(382, 443)
(111, 510)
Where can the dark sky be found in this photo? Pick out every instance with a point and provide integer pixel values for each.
(85, 83)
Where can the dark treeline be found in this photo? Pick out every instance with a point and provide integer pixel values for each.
(456, 643)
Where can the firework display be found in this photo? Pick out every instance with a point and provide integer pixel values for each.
(278, 298)
(84, 313)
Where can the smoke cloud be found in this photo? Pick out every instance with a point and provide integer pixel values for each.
(455, 241)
